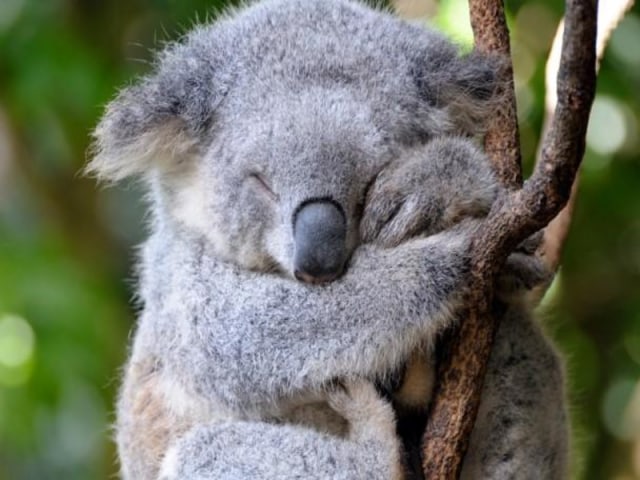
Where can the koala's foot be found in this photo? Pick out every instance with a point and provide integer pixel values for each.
(524, 269)
(370, 416)
(372, 421)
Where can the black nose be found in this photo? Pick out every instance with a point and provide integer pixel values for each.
(320, 231)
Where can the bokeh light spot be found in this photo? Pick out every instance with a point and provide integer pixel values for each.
(453, 17)
(607, 130)
(615, 407)
(624, 37)
(9, 12)
(17, 343)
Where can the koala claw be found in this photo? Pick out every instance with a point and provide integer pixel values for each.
(524, 269)
(398, 220)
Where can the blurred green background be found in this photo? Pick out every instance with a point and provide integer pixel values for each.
(67, 246)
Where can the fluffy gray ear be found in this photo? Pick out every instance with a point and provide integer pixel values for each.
(466, 87)
(160, 121)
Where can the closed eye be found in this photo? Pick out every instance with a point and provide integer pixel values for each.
(261, 183)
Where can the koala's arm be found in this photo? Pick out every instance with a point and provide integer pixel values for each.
(435, 186)
(251, 338)
(244, 342)
(157, 438)
(259, 450)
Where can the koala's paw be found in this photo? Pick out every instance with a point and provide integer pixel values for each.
(394, 214)
(370, 416)
(426, 191)
(523, 270)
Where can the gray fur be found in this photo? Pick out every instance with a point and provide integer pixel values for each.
(234, 363)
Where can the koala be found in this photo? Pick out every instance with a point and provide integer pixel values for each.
(313, 191)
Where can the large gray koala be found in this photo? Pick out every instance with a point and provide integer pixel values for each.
(313, 188)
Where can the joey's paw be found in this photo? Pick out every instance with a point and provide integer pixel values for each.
(428, 190)
(523, 270)
(368, 414)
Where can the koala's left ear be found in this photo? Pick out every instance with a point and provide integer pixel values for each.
(159, 123)
(466, 87)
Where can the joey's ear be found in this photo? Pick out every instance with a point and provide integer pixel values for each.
(466, 87)
(160, 122)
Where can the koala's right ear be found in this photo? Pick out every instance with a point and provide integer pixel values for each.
(467, 87)
(160, 122)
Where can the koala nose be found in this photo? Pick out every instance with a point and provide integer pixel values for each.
(320, 231)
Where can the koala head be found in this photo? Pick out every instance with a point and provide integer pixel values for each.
(261, 132)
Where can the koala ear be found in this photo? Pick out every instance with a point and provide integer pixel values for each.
(160, 122)
(466, 87)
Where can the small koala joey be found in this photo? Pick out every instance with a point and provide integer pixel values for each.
(274, 290)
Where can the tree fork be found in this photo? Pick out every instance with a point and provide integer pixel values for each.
(514, 216)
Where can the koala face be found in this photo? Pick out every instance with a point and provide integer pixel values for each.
(261, 132)
(281, 186)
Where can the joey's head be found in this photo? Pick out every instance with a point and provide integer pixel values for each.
(260, 133)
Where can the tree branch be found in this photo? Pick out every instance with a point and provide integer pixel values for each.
(502, 141)
(514, 217)
(556, 232)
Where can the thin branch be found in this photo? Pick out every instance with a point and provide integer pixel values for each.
(556, 232)
(502, 141)
(514, 217)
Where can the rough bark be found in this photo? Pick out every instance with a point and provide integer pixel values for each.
(502, 141)
(515, 216)
(556, 232)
